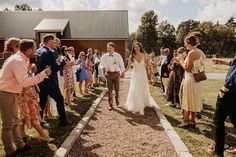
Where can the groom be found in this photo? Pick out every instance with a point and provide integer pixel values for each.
(113, 65)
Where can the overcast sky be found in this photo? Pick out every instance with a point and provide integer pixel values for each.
(174, 11)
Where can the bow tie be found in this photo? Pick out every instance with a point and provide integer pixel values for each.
(111, 55)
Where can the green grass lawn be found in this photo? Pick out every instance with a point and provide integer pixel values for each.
(74, 113)
(203, 134)
(212, 68)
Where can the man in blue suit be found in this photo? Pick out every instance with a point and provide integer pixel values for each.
(50, 86)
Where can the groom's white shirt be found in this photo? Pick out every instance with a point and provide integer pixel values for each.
(114, 62)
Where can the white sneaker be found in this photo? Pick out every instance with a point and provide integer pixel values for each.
(47, 139)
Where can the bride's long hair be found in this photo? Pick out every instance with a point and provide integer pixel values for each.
(133, 51)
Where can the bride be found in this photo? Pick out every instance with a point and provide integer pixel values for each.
(139, 94)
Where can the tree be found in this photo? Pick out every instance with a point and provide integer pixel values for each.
(217, 38)
(184, 29)
(6, 9)
(131, 40)
(23, 7)
(146, 33)
(166, 35)
(40, 9)
(231, 23)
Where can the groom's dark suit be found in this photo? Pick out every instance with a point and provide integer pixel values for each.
(50, 86)
(164, 67)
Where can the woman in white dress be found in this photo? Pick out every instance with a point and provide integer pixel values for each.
(139, 94)
(191, 100)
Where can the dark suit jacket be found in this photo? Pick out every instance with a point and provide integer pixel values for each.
(46, 57)
(200, 47)
(164, 67)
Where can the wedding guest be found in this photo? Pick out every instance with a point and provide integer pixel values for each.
(160, 60)
(74, 67)
(82, 76)
(11, 45)
(95, 55)
(165, 69)
(161, 57)
(152, 67)
(29, 110)
(99, 75)
(58, 46)
(191, 100)
(68, 76)
(225, 106)
(48, 112)
(95, 52)
(113, 65)
(89, 69)
(198, 37)
(50, 86)
(14, 76)
(176, 76)
(90, 50)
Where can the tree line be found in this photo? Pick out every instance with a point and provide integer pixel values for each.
(216, 38)
(23, 7)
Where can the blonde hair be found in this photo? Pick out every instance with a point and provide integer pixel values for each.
(81, 53)
(151, 55)
(11, 43)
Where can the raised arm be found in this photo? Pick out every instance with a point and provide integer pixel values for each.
(220, 61)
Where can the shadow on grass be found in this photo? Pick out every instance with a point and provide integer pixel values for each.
(205, 126)
(74, 114)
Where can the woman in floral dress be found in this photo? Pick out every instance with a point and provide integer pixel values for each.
(29, 109)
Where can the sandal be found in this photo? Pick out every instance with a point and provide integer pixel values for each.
(47, 139)
(184, 125)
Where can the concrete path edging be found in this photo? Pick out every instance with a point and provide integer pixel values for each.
(75, 133)
(179, 145)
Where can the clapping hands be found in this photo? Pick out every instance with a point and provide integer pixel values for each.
(47, 71)
(122, 75)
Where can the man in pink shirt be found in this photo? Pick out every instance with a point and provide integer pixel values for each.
(13, 78)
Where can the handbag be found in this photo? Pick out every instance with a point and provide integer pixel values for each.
(200, 76)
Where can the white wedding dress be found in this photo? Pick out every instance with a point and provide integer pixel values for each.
(139, 94)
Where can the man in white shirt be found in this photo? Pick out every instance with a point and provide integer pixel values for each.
(113, 65)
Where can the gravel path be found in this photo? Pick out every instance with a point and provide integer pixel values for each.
(119, 133)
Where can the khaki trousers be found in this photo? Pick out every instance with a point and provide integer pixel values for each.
(10, 127)
(113, 83)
